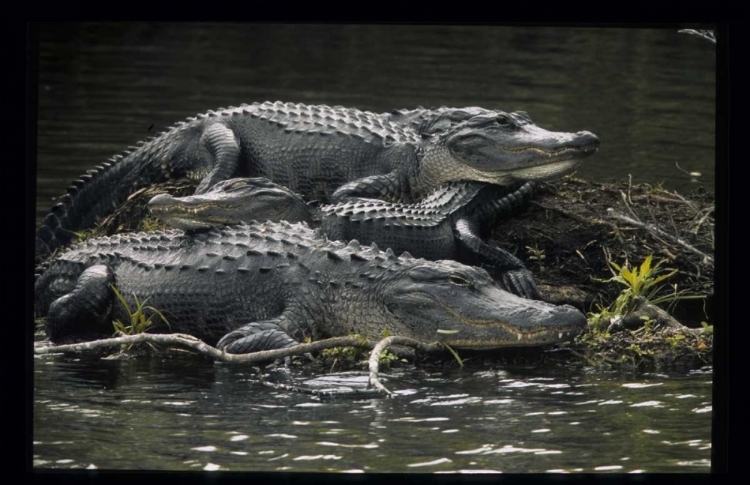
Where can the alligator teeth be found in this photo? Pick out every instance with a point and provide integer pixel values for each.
(560, 335)
(520, 336)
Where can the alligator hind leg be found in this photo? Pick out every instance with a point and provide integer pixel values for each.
(85, 312)
(224, 154)
(256, 336)
(516, 278)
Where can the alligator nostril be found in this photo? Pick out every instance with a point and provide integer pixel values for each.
(588, 138)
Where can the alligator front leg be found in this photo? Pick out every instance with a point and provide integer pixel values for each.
(516, 278)
(255, 337)
(85, 311)
(223, 150)
(384, 187)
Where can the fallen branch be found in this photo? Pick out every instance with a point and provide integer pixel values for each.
(574, 216)
(706, 34)
(189, 341)
(658, 232)
(374, 381)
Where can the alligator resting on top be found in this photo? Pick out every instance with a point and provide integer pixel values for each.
(270, 285)
(324, 153)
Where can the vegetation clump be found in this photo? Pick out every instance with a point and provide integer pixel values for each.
(140, 320)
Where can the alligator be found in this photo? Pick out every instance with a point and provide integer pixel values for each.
(448, 224)
(325, 153)
(269, 285)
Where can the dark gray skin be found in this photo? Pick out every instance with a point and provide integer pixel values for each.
(445, 225)
(325, 154)
(261, 286)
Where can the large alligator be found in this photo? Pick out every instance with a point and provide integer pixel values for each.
(324, 153)
(448, 224)
(270, 285)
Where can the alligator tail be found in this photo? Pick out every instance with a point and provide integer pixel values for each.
(95, 194)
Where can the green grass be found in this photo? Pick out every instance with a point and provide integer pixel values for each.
(139, 317)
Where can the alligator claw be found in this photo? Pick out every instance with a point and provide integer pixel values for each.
(521, 282)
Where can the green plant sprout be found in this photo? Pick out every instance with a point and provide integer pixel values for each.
(139, 320)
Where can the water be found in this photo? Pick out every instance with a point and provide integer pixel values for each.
(191, 414)
(649, 94)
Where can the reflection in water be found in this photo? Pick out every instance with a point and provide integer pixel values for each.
(648, 94)
(220, 417)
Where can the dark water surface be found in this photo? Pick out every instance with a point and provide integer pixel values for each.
(192, 414)
(649, 94)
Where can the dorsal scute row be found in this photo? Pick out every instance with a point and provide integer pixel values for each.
(326, 120)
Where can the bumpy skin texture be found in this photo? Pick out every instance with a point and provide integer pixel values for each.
(446, 225)
(325, 153)
(259, 286)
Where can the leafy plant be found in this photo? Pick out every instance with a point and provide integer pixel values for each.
(642, 281)
(140, 321)
(83, 235)
(149, 224)
(345, 354)
(674, 340)
(386, 358)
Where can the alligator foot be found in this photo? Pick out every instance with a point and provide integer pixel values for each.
(515, 277)
(85, 311)
(521, 282)
(255, 337)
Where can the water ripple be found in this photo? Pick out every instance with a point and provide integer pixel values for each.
(639, 385)
(330, 443)
(656, 404)
(439, 461)
(205, 448)
(317, 457)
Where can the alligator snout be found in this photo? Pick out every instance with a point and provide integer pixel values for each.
(161, 200)
(586, 139)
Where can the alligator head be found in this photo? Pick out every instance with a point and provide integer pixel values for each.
(468, 304)
(498, 147)
(230, 202)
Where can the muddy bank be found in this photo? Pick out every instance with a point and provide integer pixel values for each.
(572, 228)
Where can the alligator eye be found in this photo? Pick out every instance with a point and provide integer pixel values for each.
(505, 122)
(234, 185)
(457, 280)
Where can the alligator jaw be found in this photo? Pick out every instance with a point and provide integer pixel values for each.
(547, 331)
(230, 202)
(466, 303)
(177, 212)
(527, 339)
(502, 155)
(543, 171)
